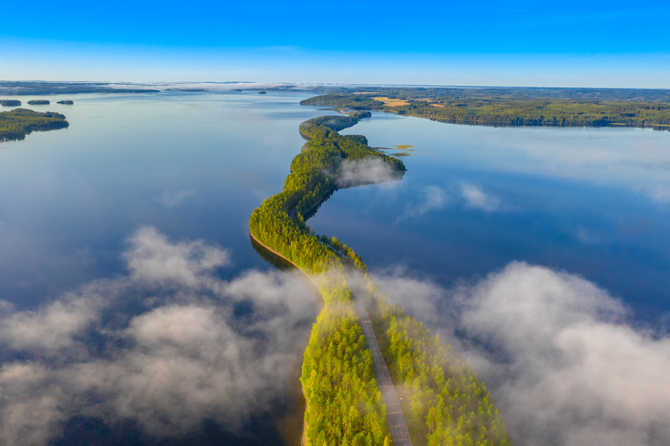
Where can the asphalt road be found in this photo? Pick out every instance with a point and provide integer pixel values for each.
(395, 417)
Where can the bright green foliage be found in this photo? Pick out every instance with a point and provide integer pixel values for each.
(447, 403)
(278, 222)
(16, 124)
(515, 107)
(344, 404)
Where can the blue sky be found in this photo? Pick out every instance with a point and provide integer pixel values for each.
(566, 43)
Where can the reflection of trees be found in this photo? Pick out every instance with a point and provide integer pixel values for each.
(270, 257)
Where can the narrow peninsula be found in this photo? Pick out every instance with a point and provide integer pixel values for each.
(350, 397)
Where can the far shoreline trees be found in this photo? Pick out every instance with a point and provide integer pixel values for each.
(505, 107)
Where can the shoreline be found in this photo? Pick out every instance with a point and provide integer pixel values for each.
(280, 255)
(303, 438)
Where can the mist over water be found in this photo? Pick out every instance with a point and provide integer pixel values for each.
(134, 308)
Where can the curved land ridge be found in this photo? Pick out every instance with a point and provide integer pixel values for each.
(358, 345)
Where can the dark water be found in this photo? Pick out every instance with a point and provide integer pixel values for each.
(594, 202)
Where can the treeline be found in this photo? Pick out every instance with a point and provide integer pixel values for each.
(552, 93)
(445, 401)
(473, 106)
(16, 124)
(349, 102)
(344, 404)
(34, 88)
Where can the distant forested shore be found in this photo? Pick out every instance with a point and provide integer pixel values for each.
(16, 124)
(512, 106)
(36, 88)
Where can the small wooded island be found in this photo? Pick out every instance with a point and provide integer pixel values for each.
(16, 124)
(10, 103)
(66, 102)
(39, 102)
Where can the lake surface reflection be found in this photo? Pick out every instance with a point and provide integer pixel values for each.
(72, 207)
(594, 202)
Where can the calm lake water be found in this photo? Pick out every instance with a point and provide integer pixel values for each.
(594, 202)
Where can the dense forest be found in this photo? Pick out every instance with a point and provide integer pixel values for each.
(35, 88)
(448, 405)
(512, 107)
(571, 94)
(446, 402)
(16, 124)
(344, 403)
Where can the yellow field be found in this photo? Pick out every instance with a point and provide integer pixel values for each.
(391, 102)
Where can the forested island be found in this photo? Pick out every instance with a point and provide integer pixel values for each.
(66, 102)
(39, 102)
(512, 107)
(10, 103)
(444, 402)
(16, 124)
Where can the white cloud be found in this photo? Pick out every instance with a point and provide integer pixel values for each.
(586, 237)
(432, 198)
(173, 199)
(365, 171)
(51, 327)
(564, 366)
(179, 358)
(152, 258)
(476, 198)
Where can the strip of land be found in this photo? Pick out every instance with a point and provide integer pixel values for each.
(353, 360)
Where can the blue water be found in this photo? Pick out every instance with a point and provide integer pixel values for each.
(594, 202)
(70, 198)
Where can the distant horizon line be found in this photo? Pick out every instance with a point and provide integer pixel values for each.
(317, 84)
